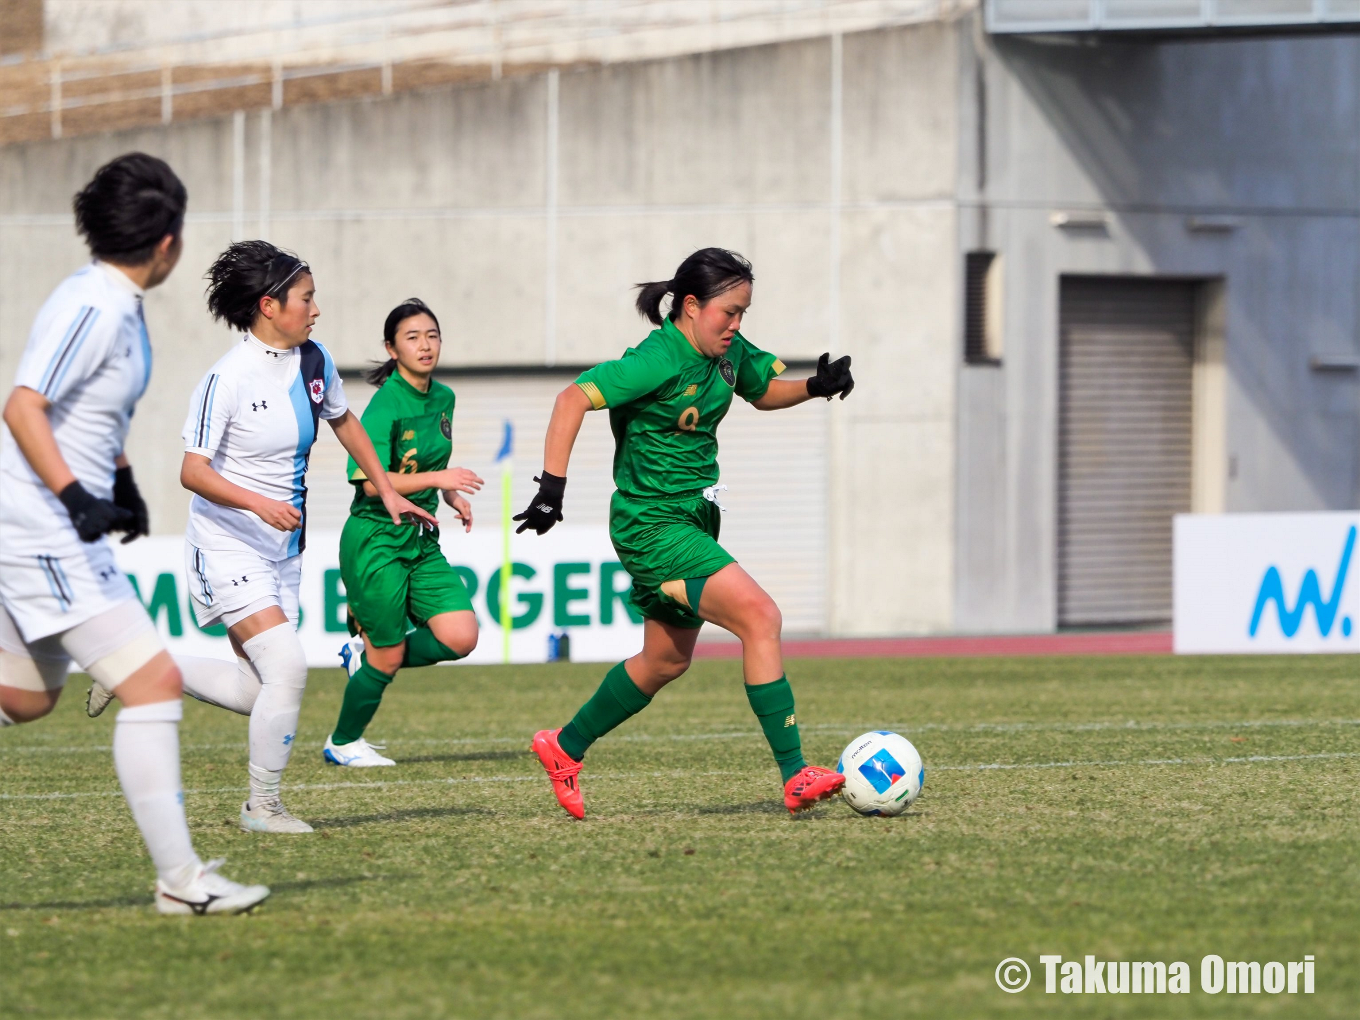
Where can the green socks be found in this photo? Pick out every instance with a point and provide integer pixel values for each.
(773, 706)
(364, 692)
(424, 649)
(616, 701)
(363, 695)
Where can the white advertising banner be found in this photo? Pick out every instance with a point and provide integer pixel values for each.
(1267, 583)
(569, 580)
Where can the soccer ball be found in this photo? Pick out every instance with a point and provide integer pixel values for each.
(883, 773)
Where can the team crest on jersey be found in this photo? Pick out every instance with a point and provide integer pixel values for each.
(445, 426)
(317, 389)
(728, 373)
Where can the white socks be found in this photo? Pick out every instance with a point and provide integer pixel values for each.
(278, 658)
(230, 685)
(146, 758)
(5, 720)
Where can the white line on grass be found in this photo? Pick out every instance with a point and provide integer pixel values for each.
(681, 773)
(1018, 727)
(379, 784)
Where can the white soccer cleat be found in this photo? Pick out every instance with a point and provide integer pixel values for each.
(270, 816)
(98, 699)
(358, 755)
(351, 654)
(209, 893)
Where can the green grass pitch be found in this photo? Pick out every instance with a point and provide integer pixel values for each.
(1157, 809)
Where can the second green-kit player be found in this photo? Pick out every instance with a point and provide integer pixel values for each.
(666, 398)
(407, 605)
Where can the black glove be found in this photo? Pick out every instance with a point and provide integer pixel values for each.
(545, 509)
(832, 377)
(93, 516)
(126, 495)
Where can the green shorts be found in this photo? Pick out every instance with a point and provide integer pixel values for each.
(394, 573)
(662, 545)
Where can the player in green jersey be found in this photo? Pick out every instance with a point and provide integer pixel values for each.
(407, 606)
(665, 398)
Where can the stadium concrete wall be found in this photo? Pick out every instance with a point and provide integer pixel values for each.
(1235, 161)
(854, 172)
(525, 209)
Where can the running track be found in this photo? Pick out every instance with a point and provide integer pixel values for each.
(1117, 643)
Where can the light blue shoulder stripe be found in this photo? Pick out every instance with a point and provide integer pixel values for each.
(68, 349)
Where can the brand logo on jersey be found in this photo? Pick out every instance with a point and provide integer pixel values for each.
(261, 406)
(728, 373)
(318, 390)
(692, 390)
(445, 426)
(408, 434)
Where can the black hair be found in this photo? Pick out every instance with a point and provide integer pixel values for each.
(130, 204)
(705, 274)
(246, 272)
(379, 374)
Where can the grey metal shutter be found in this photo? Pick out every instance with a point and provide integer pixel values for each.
(1124, 462)
(774, 465)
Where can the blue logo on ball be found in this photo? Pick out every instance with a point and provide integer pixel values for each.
(882, 770)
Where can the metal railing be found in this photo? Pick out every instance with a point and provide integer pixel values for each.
(399, 48)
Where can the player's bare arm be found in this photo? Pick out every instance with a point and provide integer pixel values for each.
(26, 415)
(197, 475)
(357, 444)
(448, 480)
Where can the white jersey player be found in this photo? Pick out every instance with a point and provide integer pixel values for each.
(248, 436)
(65, 484)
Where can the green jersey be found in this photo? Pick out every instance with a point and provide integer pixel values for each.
(665, 401)
(412, 432)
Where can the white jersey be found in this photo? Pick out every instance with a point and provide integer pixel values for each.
(254, 416)
(88, 353)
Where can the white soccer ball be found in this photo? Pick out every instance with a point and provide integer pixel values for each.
(883, 773)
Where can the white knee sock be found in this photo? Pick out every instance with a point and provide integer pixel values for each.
(146, 758)
(5, 720)
(230, 685)
(278, 658)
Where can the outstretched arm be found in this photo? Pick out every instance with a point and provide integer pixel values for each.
(781, 394)
(568, 413)
(357, 444)
(545, 509)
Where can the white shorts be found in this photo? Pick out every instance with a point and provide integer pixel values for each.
(228, 585)
(48, 593)
(110, 646)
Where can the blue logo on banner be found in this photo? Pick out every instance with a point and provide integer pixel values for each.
(1310, 593)
(882, 770)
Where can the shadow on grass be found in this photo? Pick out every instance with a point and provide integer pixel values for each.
(108, 904)
(405, 815)
(468, 756)
(331, 883)
(760, 807)
(147, 901)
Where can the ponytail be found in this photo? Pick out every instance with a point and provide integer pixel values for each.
(649, 299)
(705, 274)
(380, 372)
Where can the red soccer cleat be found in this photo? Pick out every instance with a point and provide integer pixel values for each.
(812, 784)
(562, 769)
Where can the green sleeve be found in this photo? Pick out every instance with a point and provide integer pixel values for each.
(642, 370)
(377, 422)
(755, 369)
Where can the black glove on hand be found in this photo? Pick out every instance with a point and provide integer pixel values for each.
(127, 496)
(545, 509)
(93, 516)
(832, 377)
